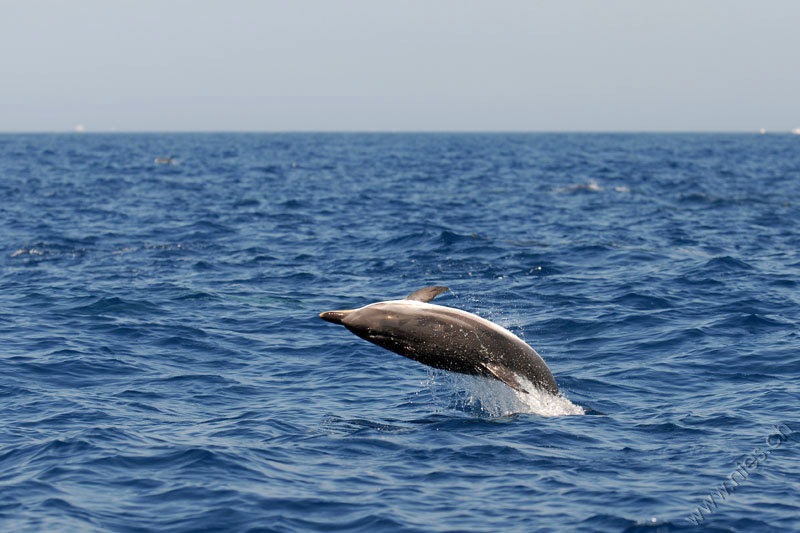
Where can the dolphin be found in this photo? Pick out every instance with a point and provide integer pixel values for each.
(447, 338)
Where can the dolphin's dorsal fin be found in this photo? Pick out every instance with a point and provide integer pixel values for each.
(427, 294)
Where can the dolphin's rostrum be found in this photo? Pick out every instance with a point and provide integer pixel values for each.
(447, 338)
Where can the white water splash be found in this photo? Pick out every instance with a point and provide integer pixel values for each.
(495, 399)
(591, 185)
(490, 396)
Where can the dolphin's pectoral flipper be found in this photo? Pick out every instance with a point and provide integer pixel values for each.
(503, 374)
(427, 294)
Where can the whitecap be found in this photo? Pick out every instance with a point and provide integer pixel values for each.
(590, 186)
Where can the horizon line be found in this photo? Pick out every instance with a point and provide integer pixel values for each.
(761, 131)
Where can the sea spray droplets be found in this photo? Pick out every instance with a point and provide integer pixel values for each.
(489, 397)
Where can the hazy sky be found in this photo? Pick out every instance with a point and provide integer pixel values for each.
(406, 65)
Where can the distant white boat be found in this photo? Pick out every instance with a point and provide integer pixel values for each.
(762, 131)
(80, 128)
(796, 131)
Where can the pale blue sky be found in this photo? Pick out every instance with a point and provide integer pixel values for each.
(408, 65)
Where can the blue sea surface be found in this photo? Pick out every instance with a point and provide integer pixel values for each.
(163, 366)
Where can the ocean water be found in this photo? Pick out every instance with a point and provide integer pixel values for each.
(163, 367)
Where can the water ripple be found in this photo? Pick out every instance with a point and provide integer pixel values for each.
(164, 369)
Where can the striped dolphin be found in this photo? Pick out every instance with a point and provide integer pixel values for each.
(447, 338)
